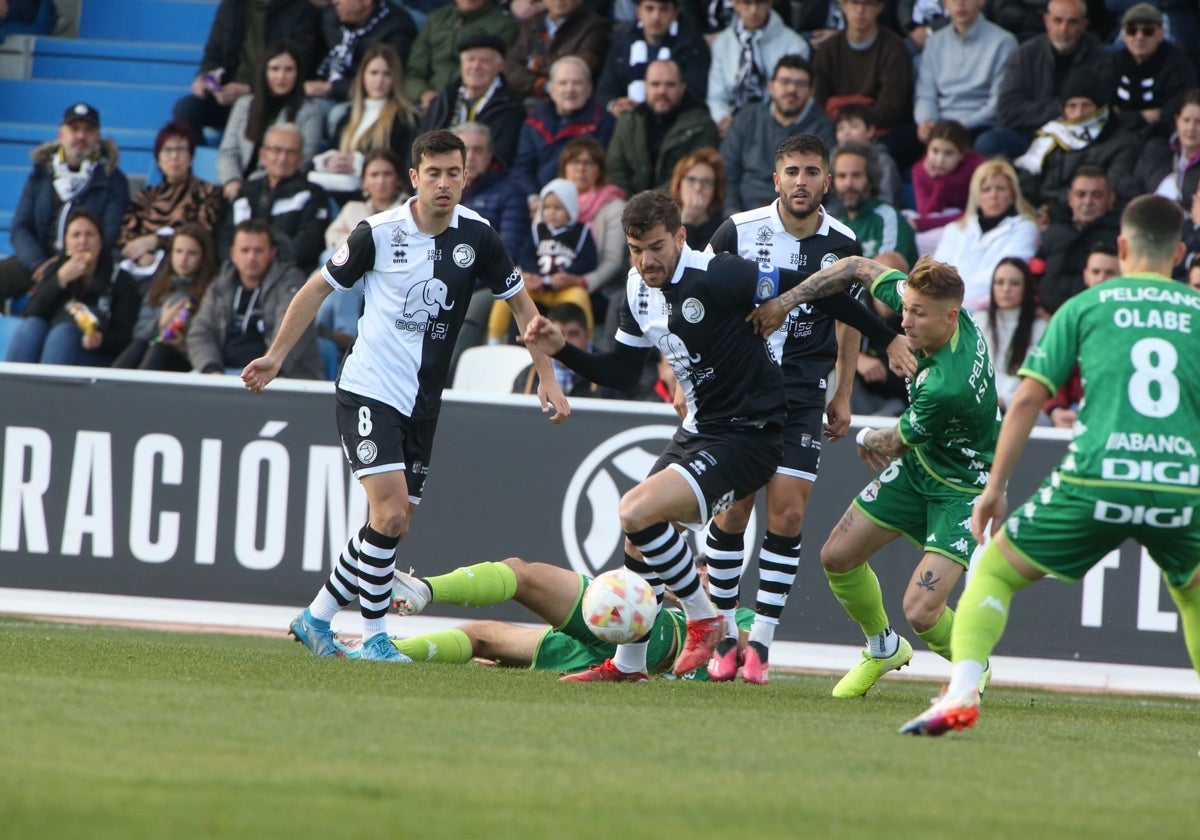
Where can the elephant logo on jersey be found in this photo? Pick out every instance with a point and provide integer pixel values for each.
(341, 256)
(692, 310)
(828, 260)
(463, 256)
(677, 356)
(591, 531)
(429, 297)
(367, 452)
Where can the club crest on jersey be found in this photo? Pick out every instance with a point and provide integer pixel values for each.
(399, 237)
(463, 256)
(828, 260)
(367, 452)
(341, 255)
(764, 235)
(692, 311)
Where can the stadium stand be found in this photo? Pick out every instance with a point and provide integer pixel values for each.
(131, 61)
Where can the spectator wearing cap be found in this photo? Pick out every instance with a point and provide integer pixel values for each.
(1085, 131)
(433, 62)
(566, 27)
(658, 33)
(1152, 74)
(479, 93)
(78, 169)
(1032, 87)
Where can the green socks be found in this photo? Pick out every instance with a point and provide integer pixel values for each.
(859, 593)
(441, 646)
(938, 636)
(983, 607)
(1188, 601)
(480, 585)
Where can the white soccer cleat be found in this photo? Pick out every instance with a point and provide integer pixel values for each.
(410, 594)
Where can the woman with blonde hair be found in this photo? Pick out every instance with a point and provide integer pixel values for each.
(698, 187)
(380, 117)
(998, 223)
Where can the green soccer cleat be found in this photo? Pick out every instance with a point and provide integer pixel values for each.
(945, 714)
(866, 673)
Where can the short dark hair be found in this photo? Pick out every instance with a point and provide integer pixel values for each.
(793, 61)
(1153, 226)
(437, 142)
(648, 209)
(1090, 170)
(854, 111)
(568, 313)
(255, 226)
(952, 131)
(89, 215)
(1104, 246)
(803, 144)
(175, 128)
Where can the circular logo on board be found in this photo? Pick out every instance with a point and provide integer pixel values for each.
(693, 311)
(367, 452)
(464, 256)
(591, 531)
(341, 255)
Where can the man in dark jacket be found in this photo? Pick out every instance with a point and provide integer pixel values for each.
(565, 28)
(434, 58)
(649, 140)
(77, 170)
(658, 33)
(349, 27)
(1031, 93)
(296, 209)
(240, 31)
(480, 94)
(1152, 74)
(1068, 240)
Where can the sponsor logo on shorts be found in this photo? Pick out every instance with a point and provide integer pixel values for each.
(1156, 517)
(367, 452)
(464, 256)
(692, 310)
(341, 255)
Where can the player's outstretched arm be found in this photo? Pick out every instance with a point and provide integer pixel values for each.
(300, 313)
(549, 391)
(1019, 421)
(828, 281)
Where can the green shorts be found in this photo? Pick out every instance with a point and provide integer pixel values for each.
(927, 512)
(1066, 528)
(572, 647)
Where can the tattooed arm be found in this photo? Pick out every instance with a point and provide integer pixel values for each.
(828, 281)
(879, 446)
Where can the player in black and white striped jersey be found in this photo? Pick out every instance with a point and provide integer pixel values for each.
(792, 232)
(419, 264)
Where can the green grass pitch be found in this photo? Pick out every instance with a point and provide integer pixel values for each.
(109, 732)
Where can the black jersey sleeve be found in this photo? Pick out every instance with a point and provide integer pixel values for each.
(354, 259)
(724, 240)
(496, 270)
(742, 282)
(619, 368)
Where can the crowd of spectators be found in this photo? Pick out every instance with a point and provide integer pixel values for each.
(1002, 136)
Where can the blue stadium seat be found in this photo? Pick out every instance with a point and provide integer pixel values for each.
(126, 62)
(128, 106)
(8, 325)
(165, 21)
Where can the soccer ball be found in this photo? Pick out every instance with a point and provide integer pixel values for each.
(619, 607)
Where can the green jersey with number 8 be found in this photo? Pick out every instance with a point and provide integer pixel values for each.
(1137, 342)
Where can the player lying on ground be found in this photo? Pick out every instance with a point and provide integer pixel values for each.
(551, 593)
(1131, 471)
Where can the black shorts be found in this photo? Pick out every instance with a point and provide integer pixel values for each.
(377, 438)
(722, 468)
(802, 440)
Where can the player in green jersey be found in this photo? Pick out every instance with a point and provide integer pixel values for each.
(551, 593)
(1132, 470)
(930, 467)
